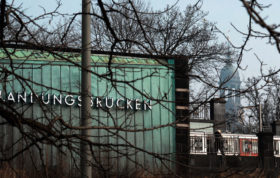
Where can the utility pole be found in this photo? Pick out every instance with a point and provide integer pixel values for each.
(260, 118)
(86, 170)
(265, 148)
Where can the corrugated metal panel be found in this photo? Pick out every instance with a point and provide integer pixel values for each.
(155, 81)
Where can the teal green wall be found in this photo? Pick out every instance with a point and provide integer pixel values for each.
(146, 75)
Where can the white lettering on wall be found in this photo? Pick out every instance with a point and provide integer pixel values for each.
(43, 98)
(80, 100)
(106, 102)
(118, 103)
(22, 97)
(98, 102)
(11, 97)
(70, 100)
(57, 99)
(137, 104)
(128, 104)
(147, 104)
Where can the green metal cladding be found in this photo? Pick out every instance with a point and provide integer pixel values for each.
(133, 78)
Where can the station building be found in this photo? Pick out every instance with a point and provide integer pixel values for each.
(139, 108)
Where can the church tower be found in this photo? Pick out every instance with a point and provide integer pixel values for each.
(230, 84)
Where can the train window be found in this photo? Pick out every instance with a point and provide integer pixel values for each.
(231, 146)
(248, 147)
(197, 144)
(254, 146)
(227, 146)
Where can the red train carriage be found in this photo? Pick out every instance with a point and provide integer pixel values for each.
(234, 144)
(248, 145)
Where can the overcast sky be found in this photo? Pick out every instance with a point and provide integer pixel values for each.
(227, 12)
(222, 12)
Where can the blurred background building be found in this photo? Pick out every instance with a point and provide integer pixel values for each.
(230, 84)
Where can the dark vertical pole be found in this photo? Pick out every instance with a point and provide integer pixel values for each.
(217, 113)
(86, 90)
(265, 148)
(266, 156)
(182, 116)
(2, 20)
(260, 118)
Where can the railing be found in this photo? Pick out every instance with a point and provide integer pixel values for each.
(200, 112)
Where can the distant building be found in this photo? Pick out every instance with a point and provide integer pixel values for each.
(230, 82)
